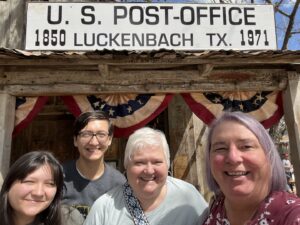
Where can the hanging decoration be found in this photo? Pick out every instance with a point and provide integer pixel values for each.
(127, 111)
(26, 109)
(132, 111)
(265, 106)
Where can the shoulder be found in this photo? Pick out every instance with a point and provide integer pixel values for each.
(71, 216)
(69, 165)
(113, 173)
(112, 196)
(111, 169)
(106, 207)
(287, 207)
(180, 187)
(180, 184)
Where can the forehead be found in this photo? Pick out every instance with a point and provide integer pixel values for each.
(148, 151)
(97, 124)
(44, 171)
(232, 129)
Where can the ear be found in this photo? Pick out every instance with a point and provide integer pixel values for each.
(75, 141)
(109, 140)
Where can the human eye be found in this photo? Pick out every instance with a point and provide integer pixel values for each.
(50, 184)
(139, 163)
(158, 162)
(27, 181)
(247, 147)
(86, 134)
(101, 135)
(219, 148)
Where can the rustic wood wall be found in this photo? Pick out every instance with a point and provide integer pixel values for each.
(12, 23)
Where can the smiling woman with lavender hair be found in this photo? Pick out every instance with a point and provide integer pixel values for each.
(245, 172)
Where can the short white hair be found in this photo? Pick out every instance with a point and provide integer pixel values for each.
(145, 137)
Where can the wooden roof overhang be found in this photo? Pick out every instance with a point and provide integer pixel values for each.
(67, 73)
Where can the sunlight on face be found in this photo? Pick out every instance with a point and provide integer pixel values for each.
(238, 162)
(32, 195)
(147, 172)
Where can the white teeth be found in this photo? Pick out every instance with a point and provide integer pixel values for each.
(238, 173)
(148, 178)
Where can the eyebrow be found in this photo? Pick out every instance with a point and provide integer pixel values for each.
(239, 140)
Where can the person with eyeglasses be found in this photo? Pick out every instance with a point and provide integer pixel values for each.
(89, 177)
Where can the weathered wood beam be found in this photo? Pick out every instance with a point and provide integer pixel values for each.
(291, 105)
(144, 60)
(105, 78)
(7, 117)
(146, 87)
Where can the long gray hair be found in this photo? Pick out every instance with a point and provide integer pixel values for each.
(278, 179)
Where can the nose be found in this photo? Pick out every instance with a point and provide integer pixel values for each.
(234, 155)
(38, 190)
(149, 169)
(94, 140)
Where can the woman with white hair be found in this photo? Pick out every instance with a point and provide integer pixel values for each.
(150, 196)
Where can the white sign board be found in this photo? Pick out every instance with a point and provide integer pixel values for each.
(126, 26)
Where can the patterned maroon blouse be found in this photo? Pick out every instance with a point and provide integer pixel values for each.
(280, 208)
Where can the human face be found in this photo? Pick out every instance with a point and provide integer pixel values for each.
(32, 195)
(93, 149)
(147, 172)
(238, 162)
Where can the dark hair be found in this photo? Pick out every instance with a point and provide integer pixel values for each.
(25, 165)
(84, 118)
(278, 179)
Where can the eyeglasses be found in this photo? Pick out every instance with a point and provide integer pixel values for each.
(88, 135)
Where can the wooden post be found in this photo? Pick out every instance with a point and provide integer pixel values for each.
(7, 119)
(291, 100)
(186, 132)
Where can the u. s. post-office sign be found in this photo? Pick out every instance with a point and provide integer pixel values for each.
(146, 26)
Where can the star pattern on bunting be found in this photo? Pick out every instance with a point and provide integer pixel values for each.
(248, 105)
(20, 101)
(116, 109)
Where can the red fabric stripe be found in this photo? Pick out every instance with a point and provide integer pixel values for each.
(72, 105)
(125, 132)
(277, 115)
(41, 101)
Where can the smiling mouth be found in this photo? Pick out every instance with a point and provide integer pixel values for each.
(93, 149)
(237, 173)
(35, 201)
(148, 178)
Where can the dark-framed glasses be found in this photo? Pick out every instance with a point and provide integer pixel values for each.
(88, 135)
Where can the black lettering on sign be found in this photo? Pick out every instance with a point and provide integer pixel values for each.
(89, 17)
(49, 15)
(120, 12)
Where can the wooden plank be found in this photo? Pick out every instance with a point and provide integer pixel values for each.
(146, 87)
(115, 79)
(7, 118)
(267, 60)
(291, 99)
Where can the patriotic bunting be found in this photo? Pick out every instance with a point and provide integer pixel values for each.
(132, 111)
(127, 111)
(26, 109)
(265, 106)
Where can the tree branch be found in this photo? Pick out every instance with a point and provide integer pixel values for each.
(290, 26)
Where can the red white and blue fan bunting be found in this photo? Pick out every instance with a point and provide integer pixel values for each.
(26, 109)
(127, 111)
(265, 106)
